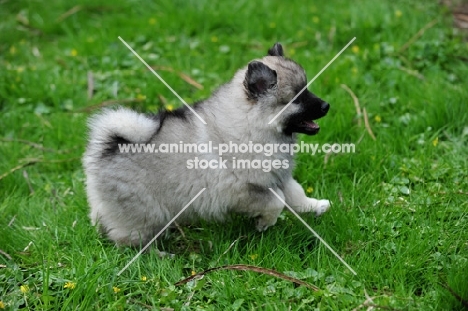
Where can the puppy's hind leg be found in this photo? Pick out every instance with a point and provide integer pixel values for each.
(296, 198)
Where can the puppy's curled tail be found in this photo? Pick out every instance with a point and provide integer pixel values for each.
(122, 125)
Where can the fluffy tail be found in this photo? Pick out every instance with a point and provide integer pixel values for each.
(122, 125)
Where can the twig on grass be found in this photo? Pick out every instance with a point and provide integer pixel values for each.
(109, 103)
(411, 72)
(35, 145)
(182, 75)
(182, 233)
(370, 304)
(6, 255)
(34, 161)
(356, 102)
(249, 268)
(418, 35)
(457, 296)
(70, 12)
(90, 84)
(366, 124)
(163, 99)
(26, 176)
(230, 246)
(12, 221)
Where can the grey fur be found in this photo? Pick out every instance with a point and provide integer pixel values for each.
(133, 195)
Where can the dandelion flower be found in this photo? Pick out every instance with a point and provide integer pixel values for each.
(398, 13)
(24, 289)
(253, 256)
(141, 97)
(143, 278)
(69, 285)
(435, 142)
(2, 305)
(193, 272)
(116, 289)
(355, 49)
(378, 119)
(169, 107)
(73, 52)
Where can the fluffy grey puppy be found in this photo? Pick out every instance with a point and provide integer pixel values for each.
(133, 195)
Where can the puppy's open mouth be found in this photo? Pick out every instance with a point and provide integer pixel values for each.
(309, 127)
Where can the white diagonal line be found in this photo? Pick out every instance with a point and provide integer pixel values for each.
(315, 233)
(159, 233)
(313, 79)
(162, 80)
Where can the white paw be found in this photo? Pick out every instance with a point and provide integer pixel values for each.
(321, 207)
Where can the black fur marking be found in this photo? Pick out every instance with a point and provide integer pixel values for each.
(256, 189)
(112, 146)
(259, 79)
(276, 50)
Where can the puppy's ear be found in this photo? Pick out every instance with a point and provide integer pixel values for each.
(276, 50)
(259, 79)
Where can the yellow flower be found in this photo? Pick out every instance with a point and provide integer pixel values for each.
(214, 39)
(378, 119)
(310, 190)
(24, 289)
(143, 278)
(355, 49)
(398, 13)
(253, 256)
(272, 25)
(2, 305)
(169, 107)
(193, 272)
(152, 21)
(315, 19)
(73, 52)
(435, 142)
(70, 285)
(116, 289)
(141, 97)
(292, 52)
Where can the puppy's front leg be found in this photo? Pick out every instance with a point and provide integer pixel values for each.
(296, 198)
(270, 211)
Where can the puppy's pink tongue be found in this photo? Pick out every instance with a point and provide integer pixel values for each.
(311, 124)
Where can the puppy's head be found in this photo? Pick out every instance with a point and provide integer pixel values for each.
(274, 81)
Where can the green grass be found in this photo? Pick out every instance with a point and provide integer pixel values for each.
(400, 212)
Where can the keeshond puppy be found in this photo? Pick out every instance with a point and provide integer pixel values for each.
(134, 194)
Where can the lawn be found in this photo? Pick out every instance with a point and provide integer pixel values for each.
(400, 203)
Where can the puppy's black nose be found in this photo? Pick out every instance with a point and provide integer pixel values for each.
(324, 107)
